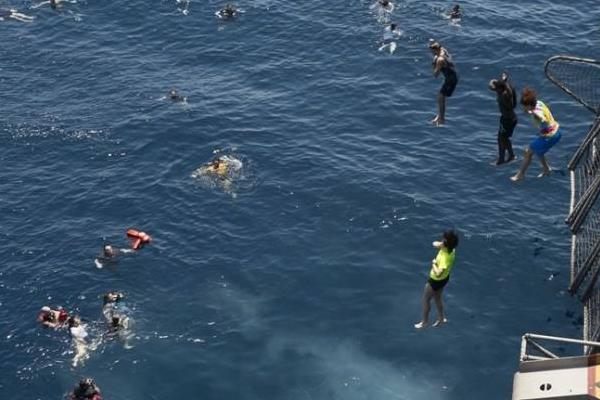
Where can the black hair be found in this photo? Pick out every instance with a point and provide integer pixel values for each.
(450, 239)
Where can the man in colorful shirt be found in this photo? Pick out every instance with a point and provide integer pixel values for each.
(549, 134)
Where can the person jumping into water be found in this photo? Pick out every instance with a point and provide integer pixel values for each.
(14, 14)
(442, 62)
(507, 101)
(438, 278)
(549, 133)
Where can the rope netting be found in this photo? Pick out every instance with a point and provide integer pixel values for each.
(579, 77)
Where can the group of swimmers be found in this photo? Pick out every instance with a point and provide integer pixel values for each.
(113, 310)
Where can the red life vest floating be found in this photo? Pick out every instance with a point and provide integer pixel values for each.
(138, 238)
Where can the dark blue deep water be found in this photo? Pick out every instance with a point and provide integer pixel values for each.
(303, 279)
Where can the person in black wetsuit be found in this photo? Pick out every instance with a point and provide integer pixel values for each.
(442, 62)
(507, 101)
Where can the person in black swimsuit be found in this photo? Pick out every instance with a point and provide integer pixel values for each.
(507, 101)
(442, 62)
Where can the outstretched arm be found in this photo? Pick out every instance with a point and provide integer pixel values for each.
(38, 5)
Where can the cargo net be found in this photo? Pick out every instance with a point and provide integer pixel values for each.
(579, 77)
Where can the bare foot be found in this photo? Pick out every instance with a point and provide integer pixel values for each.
(421, 325)
(544, 173)
(440, 322)
(435, 121)
(517, 177)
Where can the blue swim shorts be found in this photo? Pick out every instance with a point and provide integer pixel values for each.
(541, 145)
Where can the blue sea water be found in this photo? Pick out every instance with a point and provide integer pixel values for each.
(303, 279)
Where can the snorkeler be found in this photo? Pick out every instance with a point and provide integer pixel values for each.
(227, 12)
(548, 136)
(175, 97)
(438, 278)
(442, 62)
(52, 318)
(14, 14)
(86, 389)
(507, 101)
(455, 13)
(390, 34)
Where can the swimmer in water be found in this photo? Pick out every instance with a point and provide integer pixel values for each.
(79, 334)
(53, 3)
(184, 6)
(175, 97)
(52, 318)
(109, 255)
(455, 13)
(218, 166)
(384, 5)
(14, 14)
(390, 34)
(507, 101)
(548, 136)
(86, 390)
(442, 62)
(117, 320)
(439, 276)
(228, 12)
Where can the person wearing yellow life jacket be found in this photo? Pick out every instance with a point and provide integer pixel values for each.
(548, 136)
(439, 276)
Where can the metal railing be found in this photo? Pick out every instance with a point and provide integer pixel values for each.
(580, 79)
(531, 340)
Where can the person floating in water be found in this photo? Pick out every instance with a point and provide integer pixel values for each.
(218, 167)
(175, 97)
(227, 12)
(14, 14)
(384, 5)
(86, 389)
(548, 136)
(184, 6)
(52, 318)
(390, 34)
(110, 255)
(116, 317)
(79, 334)
(442, 62)
(438, 278)
(52, 3)
(507, 101)
(455, 14)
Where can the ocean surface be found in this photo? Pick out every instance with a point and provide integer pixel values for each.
(300, 278)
